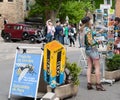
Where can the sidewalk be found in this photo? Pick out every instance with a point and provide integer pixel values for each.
(7, 58)
(111, 93)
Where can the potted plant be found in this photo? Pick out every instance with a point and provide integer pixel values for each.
(71, 84)
(72, 73)
(113, 67)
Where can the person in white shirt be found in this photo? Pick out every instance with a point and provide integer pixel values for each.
(50, 30)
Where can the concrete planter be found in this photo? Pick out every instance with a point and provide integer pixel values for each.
(112, 75)
(65, 91)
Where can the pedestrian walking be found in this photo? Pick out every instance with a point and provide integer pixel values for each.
(71, 36)
(81, 35)
(5, 21)
(50, 30)
(116, 34)
(92, 55)
(75, 32)
(59, 34)
(66, 32)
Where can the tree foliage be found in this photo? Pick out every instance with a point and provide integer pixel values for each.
(97, 3)
(60, 9)
(45, 7)
(75, 10)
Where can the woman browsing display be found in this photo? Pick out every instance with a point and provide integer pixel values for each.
(92, 54)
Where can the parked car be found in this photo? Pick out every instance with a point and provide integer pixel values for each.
(21, 32)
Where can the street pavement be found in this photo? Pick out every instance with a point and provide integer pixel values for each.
(7, 55)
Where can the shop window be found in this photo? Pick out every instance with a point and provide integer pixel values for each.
(10, 0)
(1, 0)
(27, 4)
(108, 1)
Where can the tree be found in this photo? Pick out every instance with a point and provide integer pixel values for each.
(46, 8)
(97, 3)
(51, 9)
(75, 10)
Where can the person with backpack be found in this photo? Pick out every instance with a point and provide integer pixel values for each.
(92, 54)
(50, 30)
(75, 32)
(59, 34)
(71, 36)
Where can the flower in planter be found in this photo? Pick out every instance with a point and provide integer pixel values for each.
(72, 72)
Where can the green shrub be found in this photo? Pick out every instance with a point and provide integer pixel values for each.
(113, 63)
(74, 72)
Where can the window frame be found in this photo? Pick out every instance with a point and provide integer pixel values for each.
(10, 0)
(1, 0)
(108, 1)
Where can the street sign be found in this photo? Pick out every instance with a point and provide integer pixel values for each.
(26, 73)
(54, 63)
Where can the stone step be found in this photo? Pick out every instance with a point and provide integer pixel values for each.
(49, 96)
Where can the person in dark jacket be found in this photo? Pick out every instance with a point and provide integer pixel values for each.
(5, 21)
(59, 35)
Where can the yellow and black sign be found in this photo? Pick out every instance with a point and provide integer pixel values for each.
(54, 63)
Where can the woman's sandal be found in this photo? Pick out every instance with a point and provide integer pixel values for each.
(89, 86)
(99, 87)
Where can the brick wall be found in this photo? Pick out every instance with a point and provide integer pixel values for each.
(13, 11)
(117, 8)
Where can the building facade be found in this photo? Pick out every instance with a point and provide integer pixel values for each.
(13, 10)
(117, 8)
(109, 2)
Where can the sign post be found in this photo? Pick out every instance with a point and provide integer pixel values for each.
(26, 73)
(54, 63)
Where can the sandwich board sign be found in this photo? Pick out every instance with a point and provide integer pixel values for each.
(26, 73)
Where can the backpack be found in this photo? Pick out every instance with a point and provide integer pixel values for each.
(89, 40)
(45, 30)
(71, 30)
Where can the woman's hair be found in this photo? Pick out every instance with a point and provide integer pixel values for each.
(85, 20)
(117, 19)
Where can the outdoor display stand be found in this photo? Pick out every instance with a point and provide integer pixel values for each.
(103, 80)
(26, 72)
(103, 52)
(82, 61)
(54, 63)
(102, 48)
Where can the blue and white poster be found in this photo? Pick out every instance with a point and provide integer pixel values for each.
(26, 73)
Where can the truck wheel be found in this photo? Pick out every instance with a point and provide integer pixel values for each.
(7, 38)
(32, 39)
